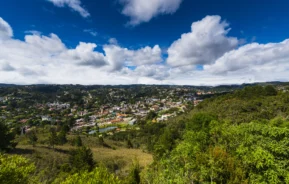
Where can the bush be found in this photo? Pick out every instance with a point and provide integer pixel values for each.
(15, 169)
(98, 176)
(81, 159)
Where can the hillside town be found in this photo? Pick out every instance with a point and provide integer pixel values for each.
(99, 107)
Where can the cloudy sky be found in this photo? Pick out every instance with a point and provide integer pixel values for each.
(181, 42)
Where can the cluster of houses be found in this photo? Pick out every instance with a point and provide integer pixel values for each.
(58, 106)
(119, 109)
(125, 113)
(4, 99)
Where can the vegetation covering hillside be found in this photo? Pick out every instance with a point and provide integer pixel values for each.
(236, 138)
(240, 137)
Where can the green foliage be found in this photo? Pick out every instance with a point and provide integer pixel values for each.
(240, 137)
(235, 138)
(270, 91)
(255, 152)
(134, 174)
(81, 159)
(32, 138)
(61, 138)
(15, 170)
(99, 175)
(200, 121)
(101, 141)
(151, 115)
(248, 104)
(172, 110)
(78, 141)
(52, 139)
(6, 138)
(164, 144)
(129, 144)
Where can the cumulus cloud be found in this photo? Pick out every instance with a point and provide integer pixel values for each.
(205, 56)
(75, 5)
(225, 60)
(206, 42)
(41, 58)
(46, 59)
(158, 72)
(144, 10)
(119, 57)
(43, 50)
(253, 57)
(5, 30)
(84, 54)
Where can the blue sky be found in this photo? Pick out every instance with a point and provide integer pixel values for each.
(141, 42)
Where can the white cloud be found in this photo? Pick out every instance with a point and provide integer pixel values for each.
(119, 57)
(206, 42)
(33, 32)
(253, 57)
(84, 54)
(5, 30)
(46, 59)
(144, 10)
(113, 41)
(91, 31)
(50, 45)
(75, 5)
(157, 72)
(7, 67)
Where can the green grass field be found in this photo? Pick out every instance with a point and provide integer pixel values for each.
(51, 162)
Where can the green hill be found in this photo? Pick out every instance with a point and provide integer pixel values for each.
(240, 137)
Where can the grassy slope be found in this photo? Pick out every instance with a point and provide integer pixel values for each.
(50, 161)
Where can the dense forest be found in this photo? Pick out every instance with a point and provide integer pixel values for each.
(239, 137)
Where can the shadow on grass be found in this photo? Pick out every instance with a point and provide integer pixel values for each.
(20, 151)
(61, 151)
(56, 149)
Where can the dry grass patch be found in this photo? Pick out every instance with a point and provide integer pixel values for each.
(129, 155)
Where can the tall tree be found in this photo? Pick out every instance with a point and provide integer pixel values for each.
(52, 139)
(78, 141)
(32, 138)
(6, 138)
(81, 159)
(62, 138)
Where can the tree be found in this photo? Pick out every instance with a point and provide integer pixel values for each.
(62, 138)
(32, 138)
(129, 144)
(78, 141)
(6, 138)
(270, 91)
(81, 159)
(164, 144)
(15, 169)
(151, 115)
(65, 128)
(52, 139)
(101, 141)
(96, 128)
